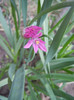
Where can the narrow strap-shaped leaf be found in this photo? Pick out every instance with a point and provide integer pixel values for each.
(4, 82)
(46, 84)
(18, 45)
(61, 63)
(39, 7)
(57, 92)
(14, 17)
(71, 38)
(4, 40)
(48, 88)
(24, 11)
(3, 98)
(58, 37)
(6, 28)
(11, 70)
(3, 70)
(46, 4)
(33, 95)
(59, 76)
(63, 94)
(56, 24)
(15, 6)
(52, 8)
(17, 88)
(6, 48)
(68, 53)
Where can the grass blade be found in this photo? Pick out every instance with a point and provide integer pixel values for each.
(46, 4)
(61, 63)
(19, 44)
(13, 6)
(6, 28)
(52, 8)
(17, 88)
(24, 11)
(3, 98)
(33, 96)
(4, 82)
(71, 38)
(11, 70)
(6, 48)
(58, 37)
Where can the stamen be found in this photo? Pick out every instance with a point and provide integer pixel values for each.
(37, 42)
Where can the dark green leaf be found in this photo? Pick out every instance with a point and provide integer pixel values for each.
(14, 17)
(3, 98)
(17, 88)
(6, 28)
(46, 4)
(61, 63)
(71, 38)
(24, 11)
(6, 48)
(33, 95)
(52, 8)
(39, 7)
(11, 70)
(58, 37)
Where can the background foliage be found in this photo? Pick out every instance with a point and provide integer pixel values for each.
(48, 70)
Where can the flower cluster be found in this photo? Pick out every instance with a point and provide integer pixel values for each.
(32, 33)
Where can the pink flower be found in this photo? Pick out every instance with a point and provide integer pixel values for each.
(31, 31)
(36, 42)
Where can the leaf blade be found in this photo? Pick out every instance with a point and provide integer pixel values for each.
(58, 37)
(17, 88)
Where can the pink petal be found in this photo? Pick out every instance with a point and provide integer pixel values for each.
(42, 47)
(37, 35)
(31, 31)
(41, 41)
(29, 43)
(35, 47)
(36, 28)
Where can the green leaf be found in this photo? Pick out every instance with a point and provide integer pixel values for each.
(70, 27)
(56, 25)
(11, 71)
(39, 7)
(46, 4)
(48, 88)
(17, 88)
(58, 37)
(56, 90)
(3, 98)
(18, 45)
(21, 54)
(24, 11)
(3, 39)
(4, 82)
(68, 53)
(33, 95)
(61, 63)
(59, 76)
(71, 38)
(46, 84)
(6, 49)
(52, 8)
(13, 6)
(3, 70)
(6, 28)
(63, 94)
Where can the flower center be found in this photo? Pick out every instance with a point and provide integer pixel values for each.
(37, 42)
